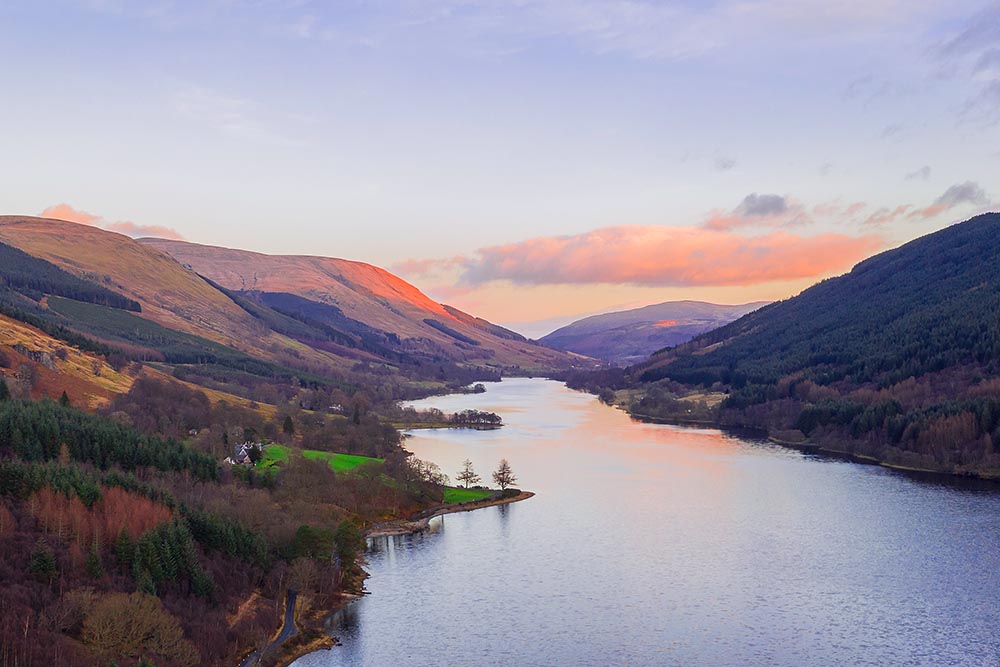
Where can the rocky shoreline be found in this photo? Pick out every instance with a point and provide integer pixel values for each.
(420, 522)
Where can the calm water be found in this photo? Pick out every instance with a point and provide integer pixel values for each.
(657, 545)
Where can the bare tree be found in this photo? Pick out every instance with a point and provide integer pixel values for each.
(468, 476)
(503, 475)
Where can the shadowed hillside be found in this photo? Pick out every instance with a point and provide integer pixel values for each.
(898, 360)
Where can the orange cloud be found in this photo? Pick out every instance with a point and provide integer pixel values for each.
(667, 256)
(70, 214)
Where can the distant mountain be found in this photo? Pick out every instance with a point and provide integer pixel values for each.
(79, 304)
(898, 360)
(629, 336)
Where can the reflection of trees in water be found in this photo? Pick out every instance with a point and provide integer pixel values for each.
(504, 512)
(347, 619)
(345, 625)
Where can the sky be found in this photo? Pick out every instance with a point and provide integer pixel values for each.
(528, 161)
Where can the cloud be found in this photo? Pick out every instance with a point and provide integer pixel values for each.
(761, 210)
(890, 131)
(884, 216)
(755, 205)
(70, 214)
(723, 163)
(424, 267)
(921, 174)
(957, 195)
(235, 117)
(667, 256)
(973, 53)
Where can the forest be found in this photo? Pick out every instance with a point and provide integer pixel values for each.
(897, 360)
(125, 517)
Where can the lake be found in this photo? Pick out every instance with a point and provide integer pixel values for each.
(659, 545)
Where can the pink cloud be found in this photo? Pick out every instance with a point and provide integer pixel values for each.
(137, 231)
(70, 214)
(967, 193)
(668, 256)
(884, 216)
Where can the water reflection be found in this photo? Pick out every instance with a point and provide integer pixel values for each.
(652, 544)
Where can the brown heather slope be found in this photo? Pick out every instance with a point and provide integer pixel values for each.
(55, 367)
(368, 294)
(170, 294)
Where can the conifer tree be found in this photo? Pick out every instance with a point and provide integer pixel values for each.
(467, 475)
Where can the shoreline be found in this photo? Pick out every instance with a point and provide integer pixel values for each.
(409, 526)
(387, 529)
(811, 447)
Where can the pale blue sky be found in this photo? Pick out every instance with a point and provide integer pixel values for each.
(395, 131)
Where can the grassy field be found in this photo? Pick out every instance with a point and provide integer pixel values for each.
(275, 455)
(454, 494)
(338, 462)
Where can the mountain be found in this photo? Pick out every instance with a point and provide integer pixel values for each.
(79, 304)
(898, 360)
(629, 336)
(358, 299)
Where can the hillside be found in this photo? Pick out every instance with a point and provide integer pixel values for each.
(897, 360)
(357, 299)
(127, 379)
(629, 336)
(252, 326)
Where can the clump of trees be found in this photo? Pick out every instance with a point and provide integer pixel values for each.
(476, 418)
(38, 431)
(136, 625)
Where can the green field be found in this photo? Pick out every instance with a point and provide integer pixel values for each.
(339, 462)
(275, 455)
(458, 495)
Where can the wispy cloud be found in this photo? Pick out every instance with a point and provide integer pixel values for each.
(70, 214)
(973, 53)
(236, 117)
(886, 216)
(921, 174)
(639, 29)
(891, 130)
(724, 163)
(960, 194)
